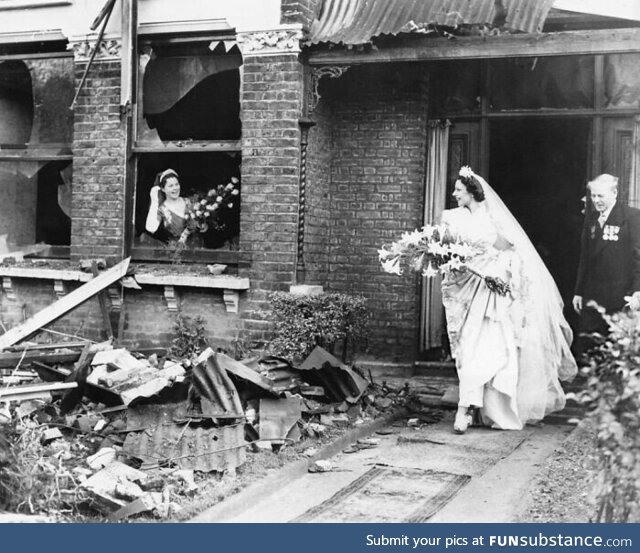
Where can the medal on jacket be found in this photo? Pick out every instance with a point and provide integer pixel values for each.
(593, 231)
(610, 232)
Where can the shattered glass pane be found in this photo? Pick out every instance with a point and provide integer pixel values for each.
(34, 203)
(190, 98)
(622, 81)
(563, 82)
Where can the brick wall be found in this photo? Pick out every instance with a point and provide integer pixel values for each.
(299, 11)
(378, 166)
(148, 321)
(271, 100)
(97, 228)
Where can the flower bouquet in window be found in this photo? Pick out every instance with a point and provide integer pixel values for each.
(434, 250)
(214, 210)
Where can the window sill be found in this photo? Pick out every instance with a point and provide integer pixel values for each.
(229, 284)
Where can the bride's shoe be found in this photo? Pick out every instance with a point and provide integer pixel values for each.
(462, 422)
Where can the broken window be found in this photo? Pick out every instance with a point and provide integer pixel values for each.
(36, 130)
(562, 82)
(188, 120)
(622, 80)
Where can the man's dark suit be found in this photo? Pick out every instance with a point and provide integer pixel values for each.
(609, 267)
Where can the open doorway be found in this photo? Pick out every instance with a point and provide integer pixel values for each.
(539, 168)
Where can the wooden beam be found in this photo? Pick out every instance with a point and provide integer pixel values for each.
(102, 300)
(33, 391)
(62, 306)
(564, 43)
(11, 359)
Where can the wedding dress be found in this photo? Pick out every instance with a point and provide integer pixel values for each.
(510, 350)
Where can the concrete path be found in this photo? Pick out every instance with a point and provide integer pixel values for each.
(500, 465)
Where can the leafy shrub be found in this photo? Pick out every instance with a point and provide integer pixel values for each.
(327, 320)
(612, 396)
(189, 337)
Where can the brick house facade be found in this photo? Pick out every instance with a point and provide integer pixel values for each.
(328, 174)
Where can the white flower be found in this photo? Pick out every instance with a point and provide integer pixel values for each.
(235, 192)
(454, 263)
(466, 172)
(429, 271)
(411, 238)
(392, 266)
(435, 248)
(219, 199)
(633, 301)
(234, 180)
(462, 250)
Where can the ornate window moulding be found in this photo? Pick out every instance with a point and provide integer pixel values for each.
(231, 286)
(268, 43)
(108, 50)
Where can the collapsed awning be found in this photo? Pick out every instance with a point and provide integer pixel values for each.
(354, 22)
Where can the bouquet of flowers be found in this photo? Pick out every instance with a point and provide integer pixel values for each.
(434, 250)
(210, 210)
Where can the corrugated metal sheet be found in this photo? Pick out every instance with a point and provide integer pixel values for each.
(339, 381)
(218, 395)
(358, 21)
(189, 446)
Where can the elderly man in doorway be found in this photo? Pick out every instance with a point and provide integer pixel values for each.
(609, 267)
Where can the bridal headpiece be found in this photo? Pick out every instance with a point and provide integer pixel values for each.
(466, 172)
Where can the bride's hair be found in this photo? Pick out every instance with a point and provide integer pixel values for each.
(473, 186)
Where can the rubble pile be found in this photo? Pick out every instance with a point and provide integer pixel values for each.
(97, 431)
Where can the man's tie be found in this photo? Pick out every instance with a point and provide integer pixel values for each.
(602, 220)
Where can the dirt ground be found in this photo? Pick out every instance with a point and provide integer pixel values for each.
(564, 488)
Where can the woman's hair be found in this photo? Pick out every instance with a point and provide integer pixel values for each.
(161, 178)
(473, 186)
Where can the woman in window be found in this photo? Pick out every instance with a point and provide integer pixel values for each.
(167, 217)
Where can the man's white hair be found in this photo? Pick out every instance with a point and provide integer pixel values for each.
(607, 179)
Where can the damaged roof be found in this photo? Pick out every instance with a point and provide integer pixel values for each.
(353, 22)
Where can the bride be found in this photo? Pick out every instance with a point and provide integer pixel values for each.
(510, 350)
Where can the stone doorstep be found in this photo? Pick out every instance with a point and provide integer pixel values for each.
(380, 369)
(237, 503)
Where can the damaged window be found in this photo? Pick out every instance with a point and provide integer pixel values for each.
(535, 83)
(36, 130)
(622, 80)
(187, 136)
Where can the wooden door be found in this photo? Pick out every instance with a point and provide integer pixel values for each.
(464, 149)
(617, 153)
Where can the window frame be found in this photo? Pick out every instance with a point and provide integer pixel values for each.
(44, 152)
(142, 253)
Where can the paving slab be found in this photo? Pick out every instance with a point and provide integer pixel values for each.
(480, 463)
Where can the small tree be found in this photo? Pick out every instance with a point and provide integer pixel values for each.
(612, 396)
(327, 320)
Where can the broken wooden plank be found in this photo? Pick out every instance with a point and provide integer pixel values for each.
(102, 299)
(10, 360)
(62, 306)
(39, 347)
(33, 391)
